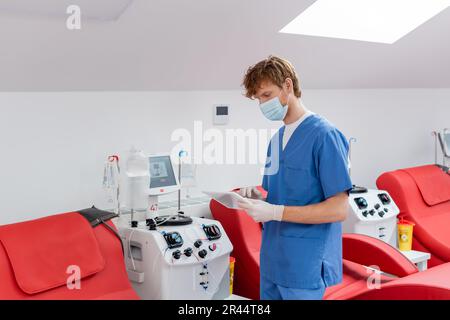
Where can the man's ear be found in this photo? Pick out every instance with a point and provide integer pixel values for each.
(289, 84)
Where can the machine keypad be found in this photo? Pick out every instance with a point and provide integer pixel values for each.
(378, 208)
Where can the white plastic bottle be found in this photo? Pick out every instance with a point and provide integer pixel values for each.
(138, 175)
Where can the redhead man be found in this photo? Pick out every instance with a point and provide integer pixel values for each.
(307, 181)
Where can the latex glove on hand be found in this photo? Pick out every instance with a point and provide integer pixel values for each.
(262, 211)
(250, 192)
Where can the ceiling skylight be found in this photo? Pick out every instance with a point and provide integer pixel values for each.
(384, 21)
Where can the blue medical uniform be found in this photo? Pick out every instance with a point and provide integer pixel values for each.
(298, 261)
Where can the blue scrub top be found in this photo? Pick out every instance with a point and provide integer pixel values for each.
(312, 167)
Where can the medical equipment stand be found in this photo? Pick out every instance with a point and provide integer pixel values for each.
(152, 212)
(435, 134)
(350, 143)
(181, 154)
(444, 156)
(355, 188)
(440, 137)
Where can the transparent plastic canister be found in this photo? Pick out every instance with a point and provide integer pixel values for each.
(138, 175)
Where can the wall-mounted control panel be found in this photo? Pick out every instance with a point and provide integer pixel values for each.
(221, 114)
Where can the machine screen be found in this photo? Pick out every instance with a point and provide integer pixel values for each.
(161, 172)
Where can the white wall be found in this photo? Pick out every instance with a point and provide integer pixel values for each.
(53, 145)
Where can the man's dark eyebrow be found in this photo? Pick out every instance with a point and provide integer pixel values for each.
(263, 93)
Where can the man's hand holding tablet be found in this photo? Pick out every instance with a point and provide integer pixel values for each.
(228, 199)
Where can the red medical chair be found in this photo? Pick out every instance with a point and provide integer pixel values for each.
(423, 197)
(402, 280)
(62, 257)
(245, 235)
(359, 252)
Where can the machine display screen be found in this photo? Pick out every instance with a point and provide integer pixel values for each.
(161, 172)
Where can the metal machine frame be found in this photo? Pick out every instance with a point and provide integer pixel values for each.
(444, 139)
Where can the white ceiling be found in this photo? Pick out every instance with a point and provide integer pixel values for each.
(105, 10)
(202, 45)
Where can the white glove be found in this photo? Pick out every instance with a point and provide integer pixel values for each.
(262, 211)
(250, 192)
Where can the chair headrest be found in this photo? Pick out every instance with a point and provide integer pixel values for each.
(433, 183)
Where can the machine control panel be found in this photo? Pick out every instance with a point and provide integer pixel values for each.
(195, 243)
(373, 213)
(373, 206)
(200, 242)
(175, 240)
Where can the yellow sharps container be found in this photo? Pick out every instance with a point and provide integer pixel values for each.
(232, 263)
(405, 234)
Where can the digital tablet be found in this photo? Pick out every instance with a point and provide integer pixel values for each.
(228, 199)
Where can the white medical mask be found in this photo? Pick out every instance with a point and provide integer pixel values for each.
(273, 109)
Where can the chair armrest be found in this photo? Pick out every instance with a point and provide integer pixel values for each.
(370, 251)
